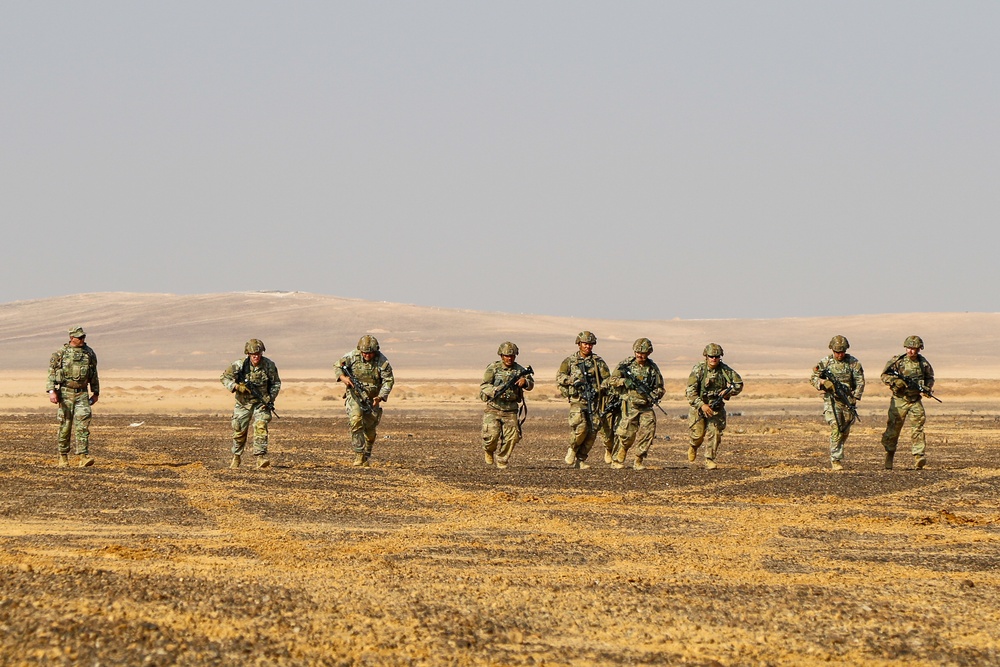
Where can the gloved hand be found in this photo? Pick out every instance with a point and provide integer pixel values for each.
(898, 384)
(240, 388)
(828, 386)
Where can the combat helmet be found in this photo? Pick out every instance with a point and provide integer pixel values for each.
(507, 348)
(839, 344)
(586, 337)
(642, 345)
(368, 343)
(712, 350)
(915, 342)
(254, 346)
(77, 332)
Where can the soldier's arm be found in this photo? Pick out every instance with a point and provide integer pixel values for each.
(815, 380)
(658, 390)
(274, 381)
(928, 375)
(228, 377)
(95, 381)
(859, 380)
(387, 381)
(736, 381)
(563, 375)
(486, 388)
(691, 392)
(529, 383)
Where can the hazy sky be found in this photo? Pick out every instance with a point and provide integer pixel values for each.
(630, 160)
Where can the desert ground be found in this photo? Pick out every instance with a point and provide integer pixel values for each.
(161, 555)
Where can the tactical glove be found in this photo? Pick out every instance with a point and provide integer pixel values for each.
(898, 384)
(240, 388)
(828, 386)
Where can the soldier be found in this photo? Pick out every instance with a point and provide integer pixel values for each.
(72, 369)
(842, 380)
(910, 377)
(369, 380)
(640, 385)
(582, 378)
(709, 386)
(503, 387)
(255, 383)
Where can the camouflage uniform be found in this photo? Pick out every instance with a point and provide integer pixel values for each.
(637, 423)
(585, 422)
(248, 408)
(501, 428)
(72, 370)
(701, 382)
(849, 373)
(906, 400)
(377, 380)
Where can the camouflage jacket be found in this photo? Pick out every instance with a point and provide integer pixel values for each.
(648, 374)
(919, 373)
(704, 381)
(571, 374)
(264, 375)
(848, 372)
(75, 368)
(375, 375)
(496, 376)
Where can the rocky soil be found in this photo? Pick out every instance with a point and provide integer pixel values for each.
(160, 555)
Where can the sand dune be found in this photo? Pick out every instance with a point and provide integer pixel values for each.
(308, 332)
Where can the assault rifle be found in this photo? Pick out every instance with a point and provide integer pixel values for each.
(912, 384)
(358, 389)
(588, 394)
(512, 380)
(842, 394)
(256, 390)
(717, 399)
(522, 410)
(632, 382)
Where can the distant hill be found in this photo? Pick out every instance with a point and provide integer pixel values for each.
(308, 332)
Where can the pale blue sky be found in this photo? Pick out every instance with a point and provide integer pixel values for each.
(629, 160)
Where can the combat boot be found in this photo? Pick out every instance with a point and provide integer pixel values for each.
(710, 464)
(63, 460)
(919, 461)
(692, 453)
(366, 457)
(502, 464)
(888, 460)
(488, 457)
(581, 464)
(836, 464)
(607, 455)
(359, 460)
(263, 461)
(570, 456)
(637, 464)
(235, 463)
(85, 461)
(616, 465)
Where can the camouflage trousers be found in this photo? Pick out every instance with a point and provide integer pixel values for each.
(243, 416)
(839, 430)
(500, 433)
(636, 427)
(583, 432)
(702, 429)
(74, 415)
(362, 424)
(899, 408)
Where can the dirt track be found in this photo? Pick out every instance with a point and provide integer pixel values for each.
(160, 555)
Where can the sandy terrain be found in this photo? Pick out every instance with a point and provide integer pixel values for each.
(160, 555)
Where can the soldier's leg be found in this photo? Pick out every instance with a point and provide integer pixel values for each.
(65, 423)
(491, 435)
(894, 424)
(605, 431)
(511, 436)
(837, 436)
(714, 427)
(625, 434)
(371, 421)
(644, 437)
(81, 423)
(917, 420)
(241, 424)
(578, 433)
(696, 432)
(261, 418)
